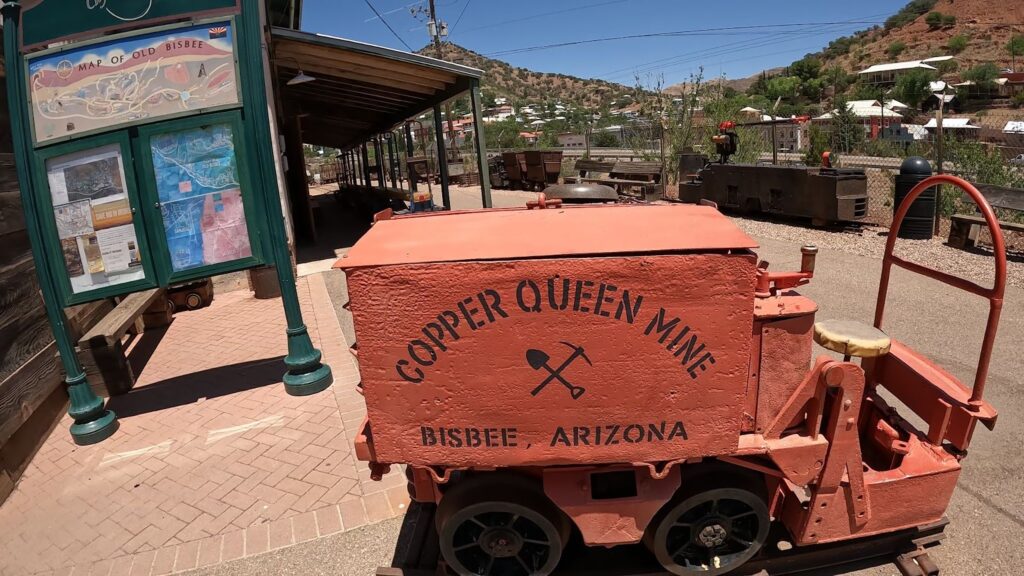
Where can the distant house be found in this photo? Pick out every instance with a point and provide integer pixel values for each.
(1011, 84)
(1013, 133)
(498, 113)
(872, 115)
(887, 74)
(531, 137)
(962, 127)
(572, 140)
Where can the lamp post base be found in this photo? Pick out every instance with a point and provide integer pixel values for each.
(95, 431)
(306, 374)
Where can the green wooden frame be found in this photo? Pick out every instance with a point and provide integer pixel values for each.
(247, 120)
(250, 196)
(44, 206)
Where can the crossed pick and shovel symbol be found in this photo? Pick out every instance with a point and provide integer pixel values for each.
(538, 360)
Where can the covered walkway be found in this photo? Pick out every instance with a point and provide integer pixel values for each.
(360, 98)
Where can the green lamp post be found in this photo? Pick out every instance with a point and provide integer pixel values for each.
(93, 422)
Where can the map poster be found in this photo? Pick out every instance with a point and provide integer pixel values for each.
(201, 198)
(134, 79)
(74, 219)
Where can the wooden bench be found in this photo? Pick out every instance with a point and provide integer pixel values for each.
(965, 228)
(101, 350)
(586, 168)
(625, 176)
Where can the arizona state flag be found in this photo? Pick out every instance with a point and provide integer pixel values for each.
(219, 32)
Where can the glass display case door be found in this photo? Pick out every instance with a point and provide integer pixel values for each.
(90, 203)
(194, 170)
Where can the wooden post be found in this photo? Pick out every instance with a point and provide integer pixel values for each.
(442, 158)
(367, 181)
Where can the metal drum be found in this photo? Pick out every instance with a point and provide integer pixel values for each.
(581, 193)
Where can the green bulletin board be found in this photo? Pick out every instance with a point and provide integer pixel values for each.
(141, 158)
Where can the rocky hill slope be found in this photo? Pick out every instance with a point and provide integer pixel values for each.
(524, 86)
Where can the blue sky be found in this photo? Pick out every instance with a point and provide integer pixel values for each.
(493, 26)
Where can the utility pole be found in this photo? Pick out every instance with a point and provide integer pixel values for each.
(434, 27)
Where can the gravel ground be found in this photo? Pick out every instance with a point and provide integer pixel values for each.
(870, 241)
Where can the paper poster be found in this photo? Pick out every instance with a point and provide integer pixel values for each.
(93, 254)
(118, 248)
(197, 181)
(141, 78)
(74, 219)
(93, 214)
(72, 256)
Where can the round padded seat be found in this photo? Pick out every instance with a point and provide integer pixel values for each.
(851, 338)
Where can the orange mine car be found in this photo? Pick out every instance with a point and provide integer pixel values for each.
(633, 373)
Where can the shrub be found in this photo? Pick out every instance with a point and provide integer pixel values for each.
(934, 20)
(1018, 100)
(909, 13)
(958, 44)
(948, 20)
(895, 49)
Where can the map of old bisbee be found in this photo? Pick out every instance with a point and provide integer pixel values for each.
(101, 86)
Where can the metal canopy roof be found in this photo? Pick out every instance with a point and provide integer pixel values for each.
(360, 89)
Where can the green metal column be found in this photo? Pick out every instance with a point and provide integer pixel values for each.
(481, 145)
(93, 422)
(306, 373)
(367, 179)
(410, 151)
(442, 158)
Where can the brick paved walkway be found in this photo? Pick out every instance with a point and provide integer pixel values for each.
(213, 461)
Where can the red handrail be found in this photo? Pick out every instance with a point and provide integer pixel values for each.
(994, 294)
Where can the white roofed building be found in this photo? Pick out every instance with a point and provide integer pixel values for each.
(889, 73)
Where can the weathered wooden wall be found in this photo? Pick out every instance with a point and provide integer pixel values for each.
(30, 374)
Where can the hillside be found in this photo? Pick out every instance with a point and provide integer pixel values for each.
(982, 29)
(985, 25)
(525, 86)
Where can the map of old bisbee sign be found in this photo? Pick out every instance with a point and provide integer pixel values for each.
(137, 79)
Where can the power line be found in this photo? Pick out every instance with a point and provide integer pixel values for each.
(678, 33)
(400, 39)
(459, 19)
(721, 50)
(552, 13)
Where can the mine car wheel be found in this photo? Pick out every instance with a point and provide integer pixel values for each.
(193, 301)
(711, 533)
(501, 530)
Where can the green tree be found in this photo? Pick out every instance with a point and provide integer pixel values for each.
(909, 13)
(808, 68)
(760, 86)
(785, 87)
(958, 43)
(914, 87)
(837, 78)
(983, 75)
(603, 139)
(948, 20)
(1016, 48)
(504, 134)
(847, 129)
(895, 49)
(934, 20)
